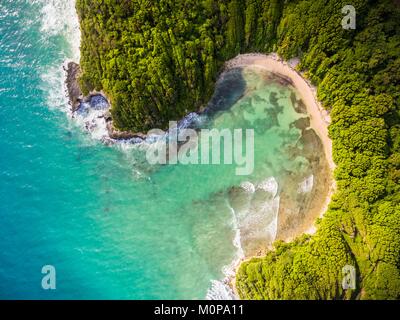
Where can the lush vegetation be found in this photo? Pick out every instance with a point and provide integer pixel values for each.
(358, 78)
(157, 61)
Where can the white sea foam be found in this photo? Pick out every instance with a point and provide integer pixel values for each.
(259, 221)
(190, 119)
(59, 18)
(269, 185)
(248, 186)
(92, 120)
(272, 228)
(220, 291)
(53, 83)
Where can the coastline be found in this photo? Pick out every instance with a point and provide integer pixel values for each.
(52, 85)
(319, 122)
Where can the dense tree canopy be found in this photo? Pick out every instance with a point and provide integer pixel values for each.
(158, 60)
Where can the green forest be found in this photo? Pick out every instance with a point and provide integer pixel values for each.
(157, 61)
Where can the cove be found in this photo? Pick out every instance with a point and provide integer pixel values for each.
(115, 227)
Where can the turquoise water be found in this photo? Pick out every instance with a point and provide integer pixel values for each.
(113, 227)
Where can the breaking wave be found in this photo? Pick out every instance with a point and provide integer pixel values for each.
(258, 219)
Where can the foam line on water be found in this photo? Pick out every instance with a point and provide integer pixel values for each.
(248, 186)
(59, 18)
(269, 185)
(221, 289)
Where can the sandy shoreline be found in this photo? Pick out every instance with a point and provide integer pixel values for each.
(319, 117)
(319, 121)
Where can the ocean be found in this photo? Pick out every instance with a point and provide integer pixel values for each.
(113, 226)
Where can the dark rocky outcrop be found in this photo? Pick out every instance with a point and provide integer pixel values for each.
(96, 100)
(75, 95)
